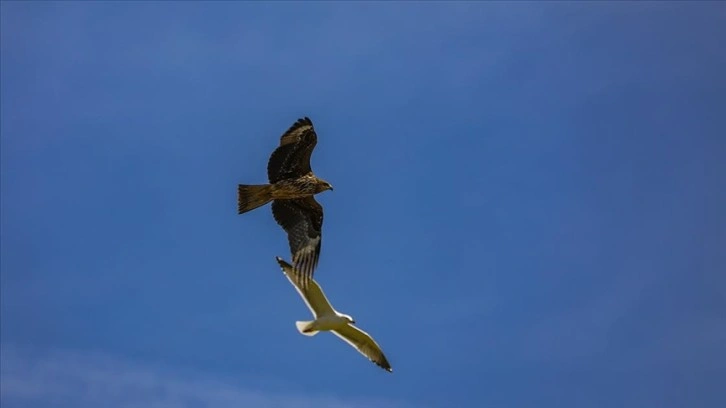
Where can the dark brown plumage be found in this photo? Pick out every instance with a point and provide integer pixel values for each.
(292, 186)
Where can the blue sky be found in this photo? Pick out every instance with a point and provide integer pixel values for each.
(528, 206)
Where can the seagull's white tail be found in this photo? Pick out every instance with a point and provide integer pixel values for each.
(305, 328)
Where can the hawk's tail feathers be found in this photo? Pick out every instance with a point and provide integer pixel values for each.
(305, 328)
(250, 197)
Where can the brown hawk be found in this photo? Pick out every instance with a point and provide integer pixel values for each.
(292, 188)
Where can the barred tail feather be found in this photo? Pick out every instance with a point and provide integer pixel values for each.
(305, 328)
(250, 197)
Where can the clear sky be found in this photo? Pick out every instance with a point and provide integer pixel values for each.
(528, 207)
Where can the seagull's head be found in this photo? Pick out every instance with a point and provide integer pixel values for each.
(348, 318)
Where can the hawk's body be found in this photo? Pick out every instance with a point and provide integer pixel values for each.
(301, 187)
(292, 188)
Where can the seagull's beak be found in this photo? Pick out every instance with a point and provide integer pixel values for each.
(330, 187)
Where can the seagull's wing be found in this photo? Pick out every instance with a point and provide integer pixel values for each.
(312, 294)
(365, 344)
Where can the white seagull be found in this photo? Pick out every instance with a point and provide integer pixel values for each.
(328, 319)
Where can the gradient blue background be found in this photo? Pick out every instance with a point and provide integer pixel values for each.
(528, 207)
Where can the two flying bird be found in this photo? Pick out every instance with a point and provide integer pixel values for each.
(291, 189)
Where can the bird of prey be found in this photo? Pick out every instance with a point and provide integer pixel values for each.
(292, 186)
(328, 319)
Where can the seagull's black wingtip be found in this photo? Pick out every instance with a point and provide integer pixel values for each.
(282, 263)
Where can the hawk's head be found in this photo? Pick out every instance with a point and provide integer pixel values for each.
(323, 185)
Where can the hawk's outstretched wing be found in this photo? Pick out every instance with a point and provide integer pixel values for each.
(292, 158)
(302, 219)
